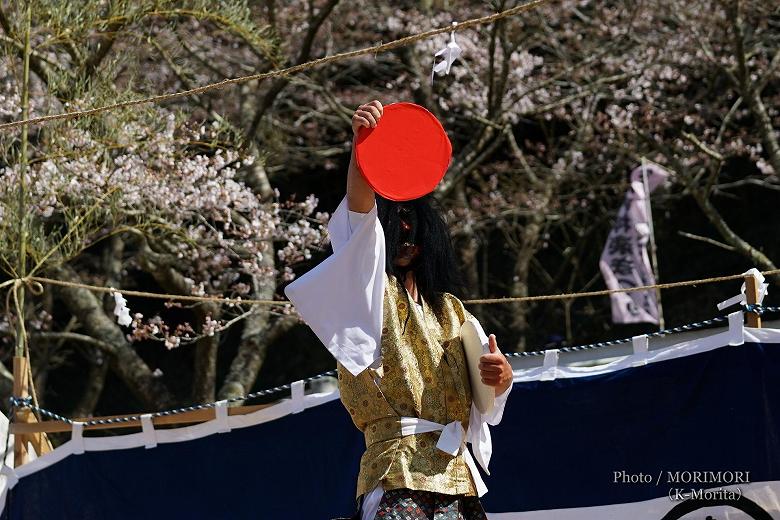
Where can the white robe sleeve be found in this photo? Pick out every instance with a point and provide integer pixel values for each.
(493, 417)
(341, 298)
(478, 433)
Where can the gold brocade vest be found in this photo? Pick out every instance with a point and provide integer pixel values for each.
(423, 374)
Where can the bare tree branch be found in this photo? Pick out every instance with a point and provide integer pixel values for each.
(303, 54)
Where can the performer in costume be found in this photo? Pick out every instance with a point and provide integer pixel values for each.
(383, 305)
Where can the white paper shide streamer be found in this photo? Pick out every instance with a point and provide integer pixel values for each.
(121, 311)
(763, 289)
(449, 54)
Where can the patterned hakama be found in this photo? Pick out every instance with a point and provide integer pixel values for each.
(408, 504)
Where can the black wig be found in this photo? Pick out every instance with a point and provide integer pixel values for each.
(435, 269)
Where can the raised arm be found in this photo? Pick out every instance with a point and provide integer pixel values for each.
(360, 196)
(341, 298)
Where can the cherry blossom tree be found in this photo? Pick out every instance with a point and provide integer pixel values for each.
(220, 193)
(144, 193)
(550, 110)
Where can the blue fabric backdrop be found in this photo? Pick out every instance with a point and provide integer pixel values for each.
(558, 446)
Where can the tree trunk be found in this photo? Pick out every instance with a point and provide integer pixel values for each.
(205, 377)
(96, 378)
(528, 239)
(257, 333)
(96, 360)
(126, 363)
(255, 338)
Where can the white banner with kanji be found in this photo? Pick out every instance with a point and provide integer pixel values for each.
(624, 261)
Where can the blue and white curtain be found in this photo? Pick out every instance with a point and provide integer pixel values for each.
(688, 431)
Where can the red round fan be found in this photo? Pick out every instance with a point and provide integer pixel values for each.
(406, 155)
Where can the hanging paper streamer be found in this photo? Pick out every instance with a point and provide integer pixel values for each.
(121, 311)
(450, 53)
(763, 289)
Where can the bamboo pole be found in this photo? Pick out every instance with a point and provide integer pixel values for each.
(751, 297)
(21, 364)
(21, 416)
(653, 247)
(22, 196)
